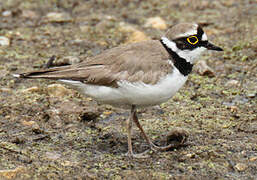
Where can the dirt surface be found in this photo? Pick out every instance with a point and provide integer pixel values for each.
(48, 131)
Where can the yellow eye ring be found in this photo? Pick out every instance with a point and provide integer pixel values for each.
(194, 38)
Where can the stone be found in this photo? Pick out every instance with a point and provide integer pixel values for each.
(232, 83)
(33, 125)
(3, 73)
(251, 95)
(252, 159)
(241, 166)
(69, 107)
(4, 41)
(84, 28)
(211, 32)
(190, 155)
(177, 136)
(107, 112)
(33, 89)
(203, 69)
(137, 36)
(57, 17)
(57, 90)
(28, 123)
(6, 13)
(219, 67)
(67, 60)
(156, 22)
(233, 109)
(126, 28)
(229, 3)
(69, 163)
(7, 90)
(29, 14)
(52, 155)
(134, 35)
(11, 173)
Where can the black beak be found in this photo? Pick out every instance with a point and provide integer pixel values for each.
(211, 46)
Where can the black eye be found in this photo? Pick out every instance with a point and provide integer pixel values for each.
(192, 40)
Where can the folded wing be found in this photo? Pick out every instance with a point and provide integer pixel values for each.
(146, 62)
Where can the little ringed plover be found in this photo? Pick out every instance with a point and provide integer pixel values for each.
(136, 75)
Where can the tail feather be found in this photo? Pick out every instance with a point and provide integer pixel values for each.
(95, 74)
(53, 73)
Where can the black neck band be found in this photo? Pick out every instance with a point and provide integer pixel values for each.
(180, 63)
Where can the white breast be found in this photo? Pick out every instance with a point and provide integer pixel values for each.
(138, 93)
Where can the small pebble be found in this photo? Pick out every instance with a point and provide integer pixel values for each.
(203, 69)
(69, 163)
(234, 109)
(84, 28)
(57, 90)
(240, 99)
(31, 90)
(11, 173)
(107, 112)
(232, 83)
(126, 28)
(156, 22)
(241, 166)
(53, 155)
(228, 3)
(6, 13)
(29, 14)
(58, 17)
(252, 159)
(190, 155)
(251, 95)
(137, 36)
(33, 125)
(67, 60)
(134, 34)
(177, 135)
(7, 90)
(28, 123)
(4, 41)
(219, 67)
(3, 73)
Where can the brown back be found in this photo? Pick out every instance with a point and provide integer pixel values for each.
(144, 61)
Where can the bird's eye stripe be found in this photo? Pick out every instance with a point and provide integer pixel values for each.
(192, 40)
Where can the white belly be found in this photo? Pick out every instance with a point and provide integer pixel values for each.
(138, 93)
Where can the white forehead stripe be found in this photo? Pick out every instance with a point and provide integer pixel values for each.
(204, 37)
(188, 33)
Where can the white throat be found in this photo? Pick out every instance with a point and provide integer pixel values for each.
(188, 55)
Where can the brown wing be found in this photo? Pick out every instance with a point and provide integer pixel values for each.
(144, 61)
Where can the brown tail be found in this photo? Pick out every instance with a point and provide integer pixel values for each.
(52, 73)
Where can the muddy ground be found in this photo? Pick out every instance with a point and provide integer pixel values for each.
(49, 134)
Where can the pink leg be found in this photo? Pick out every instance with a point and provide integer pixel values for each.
(129, 129)
(152, 145)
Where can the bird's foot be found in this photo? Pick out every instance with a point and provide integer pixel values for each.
(142, 155)
(161, 148)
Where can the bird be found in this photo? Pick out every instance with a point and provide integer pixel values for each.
(136, 75)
